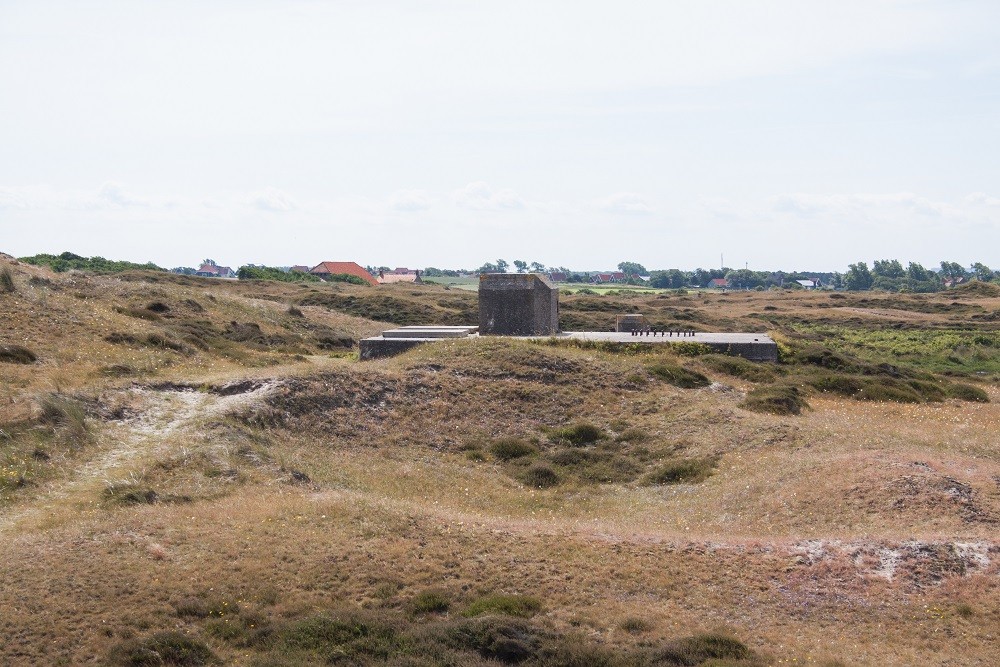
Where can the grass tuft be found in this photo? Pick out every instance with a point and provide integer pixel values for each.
(703, 649)
(782, 400)
(508, 449)
(581, 434)
(967, 392)
(66, 416)
(679, 376)
(15, 354)
(430, 602)
(7, 285)
(163, 648)
(683, 471)
(740, 368)
(523, 606)
(540, 477)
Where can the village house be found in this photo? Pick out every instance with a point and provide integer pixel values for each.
(324, 270)
(212, 270)
(718, 283)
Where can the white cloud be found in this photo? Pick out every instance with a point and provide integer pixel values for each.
(479, 196)
(981, 199)
(112, 194)
(272, 199)
(410, 201)
(808, 205)
(624, 202)
(17, 198)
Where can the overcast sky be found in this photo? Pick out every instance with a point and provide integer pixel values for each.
(782, 134)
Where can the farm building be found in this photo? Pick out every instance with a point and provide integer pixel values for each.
(400, 275)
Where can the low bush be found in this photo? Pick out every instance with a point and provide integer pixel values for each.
(295, 312)
(580, 434)
(506, 640)
(753, 371)
(775, 400)
(596, 466)
(523, 606)
(634, 436)
(702, 648)
(15, 354)
(163, 648)
(683, 471)
(540, 477)
(430, 602)
(967, 392)
(508, 449)
(348, 637)
(7, 281)
(679, 376)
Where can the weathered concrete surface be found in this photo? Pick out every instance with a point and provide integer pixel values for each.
(630, 322)
(752, 346)
(517, 304)
(397, 341)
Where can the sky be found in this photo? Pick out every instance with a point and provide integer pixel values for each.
(770, 134)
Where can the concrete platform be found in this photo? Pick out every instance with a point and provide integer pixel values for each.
(752, 346)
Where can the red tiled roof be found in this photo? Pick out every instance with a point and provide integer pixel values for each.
(718, 282)
(350, 268)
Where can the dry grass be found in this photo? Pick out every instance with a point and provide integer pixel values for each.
(266, 509)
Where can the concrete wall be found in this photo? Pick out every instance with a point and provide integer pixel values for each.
(517, 304)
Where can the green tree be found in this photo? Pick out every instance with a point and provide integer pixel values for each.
(632, 269)
(982, 272)
(743, 279)
(916, 271)
(888, 268)
(502, 266)
(520, 265)
(952, 270)
(537, 267)
(858, 277)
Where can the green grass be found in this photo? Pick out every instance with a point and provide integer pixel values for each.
(508, 449)
(964, 351)
(581, 434)
(775, 400)
(683, 471)
(163, 648)
(679, 376)
(523, 606)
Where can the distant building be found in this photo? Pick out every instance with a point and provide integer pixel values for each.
(718, 283)
(400, 275)
(611, 277)
(298, 268)
(326, 269)
(212, 270)
(558, 276)
(808, 284)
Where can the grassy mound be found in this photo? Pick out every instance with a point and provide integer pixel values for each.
(679, 376)
(683, 471)
(163, 648)
(776, 400)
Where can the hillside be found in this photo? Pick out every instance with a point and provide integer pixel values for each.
(196, 470)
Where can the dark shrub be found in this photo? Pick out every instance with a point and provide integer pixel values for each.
(679, 376)
(343, 637)
(295, 312)
(692, 651)
(581, 434)
(524, 606)
(430, 602)
(158, 307)
(334, 341)
(967, 392)
(15, 354)
(888, 390)
(7, 281)
(930, 391)
(507, 449)
(507, 640)
(683, 471)
(635, 626)
(783, 400)
(163, 648)
(541, 477)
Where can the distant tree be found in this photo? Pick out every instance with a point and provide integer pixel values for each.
(982, 272)
(502, 266)
(916, 271)
(888, 268)
(520, 265)
(632, 269)
(537, 267)
(669, 279)
(700, 277)
(952, 270)
(210, 262)
(743, 279)
(858, 277)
